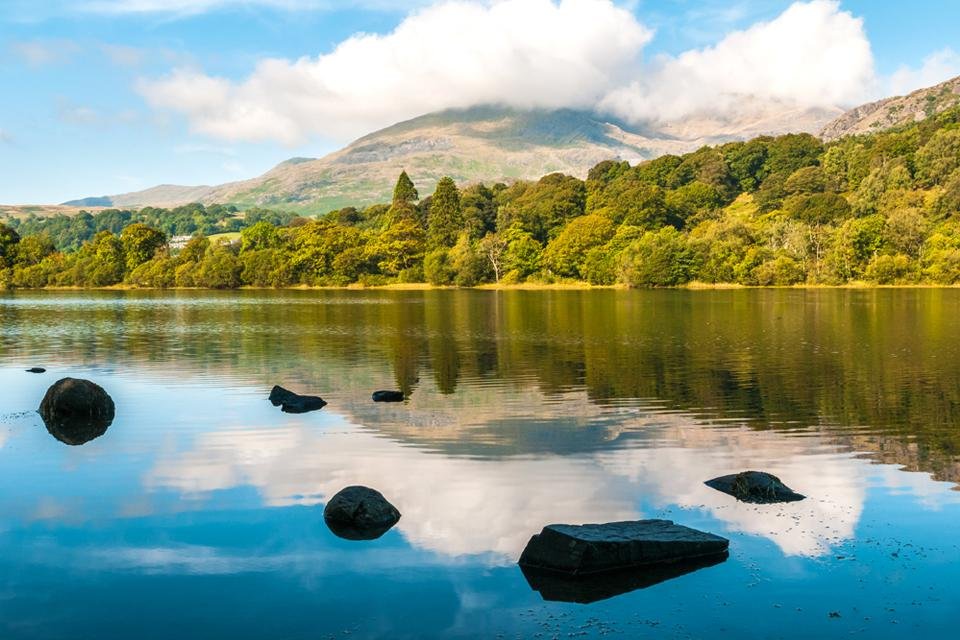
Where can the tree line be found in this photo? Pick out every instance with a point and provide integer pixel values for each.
(881, 208)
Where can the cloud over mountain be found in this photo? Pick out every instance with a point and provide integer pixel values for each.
(526, 53)
(536, 53)
(812, 55)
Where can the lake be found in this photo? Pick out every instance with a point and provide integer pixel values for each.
(199, 512)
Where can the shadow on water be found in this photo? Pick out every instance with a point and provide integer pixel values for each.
(556, 587)
(76, 431)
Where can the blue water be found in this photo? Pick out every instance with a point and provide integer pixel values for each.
(199, 512)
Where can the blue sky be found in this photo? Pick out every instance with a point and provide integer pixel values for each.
(107, 96)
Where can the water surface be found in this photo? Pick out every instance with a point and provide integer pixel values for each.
(199, 512)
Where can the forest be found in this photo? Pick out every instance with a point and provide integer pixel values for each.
(882, 208)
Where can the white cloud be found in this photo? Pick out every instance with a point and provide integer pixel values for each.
(812, 55)
(38, 53)
(936, 68)
(191, 7)
(123, 56)
(541, 53)
(528, 53)
(5, 138)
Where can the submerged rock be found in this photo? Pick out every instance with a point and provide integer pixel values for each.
(757, 487)
(388, 396)
(598, 548)
(290, 402)
(584, 589)
(76, 411)
(360, 513)
(36, 370)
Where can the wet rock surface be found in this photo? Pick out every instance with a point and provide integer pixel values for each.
(290, 402)
(388, 396)
(584, 589)
(360, 513)
(76, 411)
(599, 548)
(756, 487)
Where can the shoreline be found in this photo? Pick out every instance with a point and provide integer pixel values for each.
(566, 286)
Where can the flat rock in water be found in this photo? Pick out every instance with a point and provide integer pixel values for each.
(36, 370)
(597, 548)
(757, 487)
(388, 396)
(290, 402)
(76, 411)
(360, 513)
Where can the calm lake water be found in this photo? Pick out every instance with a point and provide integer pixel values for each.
(199, 512)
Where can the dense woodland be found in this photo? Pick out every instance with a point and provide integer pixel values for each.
(882, 208)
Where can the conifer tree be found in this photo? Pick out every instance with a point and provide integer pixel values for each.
(446, 217)
(404, 198)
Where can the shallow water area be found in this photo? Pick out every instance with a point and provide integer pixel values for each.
(198, 512)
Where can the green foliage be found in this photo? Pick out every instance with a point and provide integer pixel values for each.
(8, 245)
(541, 209)
(437, 268)
(68, 233)
(793, 151)
(747, 162)
(220, 269)
(400, 247)
(266, 268)
(140, 243)
(658, 259)
(405, 197)
(940, 157)
(566, 254)
(523, 254)
(818, 208)
(773, 211)
(262, 235)
(445, 219)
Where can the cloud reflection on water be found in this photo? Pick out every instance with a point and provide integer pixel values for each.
(456, 505)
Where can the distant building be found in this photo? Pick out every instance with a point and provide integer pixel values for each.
(179, 242)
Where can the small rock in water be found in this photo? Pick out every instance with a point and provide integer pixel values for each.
(76, 411)
(388, 396)
(36, 370)
(360, 513)
(290, 402)
(596, 548)
(756, 487)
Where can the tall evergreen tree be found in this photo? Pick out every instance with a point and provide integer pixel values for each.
(404, 198)
(404, 192)
(446, 216)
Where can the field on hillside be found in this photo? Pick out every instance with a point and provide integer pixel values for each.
(42, 210)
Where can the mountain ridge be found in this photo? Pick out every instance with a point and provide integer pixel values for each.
(895, 111)
(487, 143)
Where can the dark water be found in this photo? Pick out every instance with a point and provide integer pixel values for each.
(198, 513)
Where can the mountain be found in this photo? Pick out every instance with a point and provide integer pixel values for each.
(480, 144)
(896, 111)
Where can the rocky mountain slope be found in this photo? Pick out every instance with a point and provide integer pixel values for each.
(486, 144)
(892, 112)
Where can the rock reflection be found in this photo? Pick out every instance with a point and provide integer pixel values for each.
(75, 431)
(556, 587)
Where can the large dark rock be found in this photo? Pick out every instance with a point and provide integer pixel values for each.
(290, 402)
(388, 396)
(584, 589)
(76, 411)
(597, 548)
(757, 487)
(360, 513)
